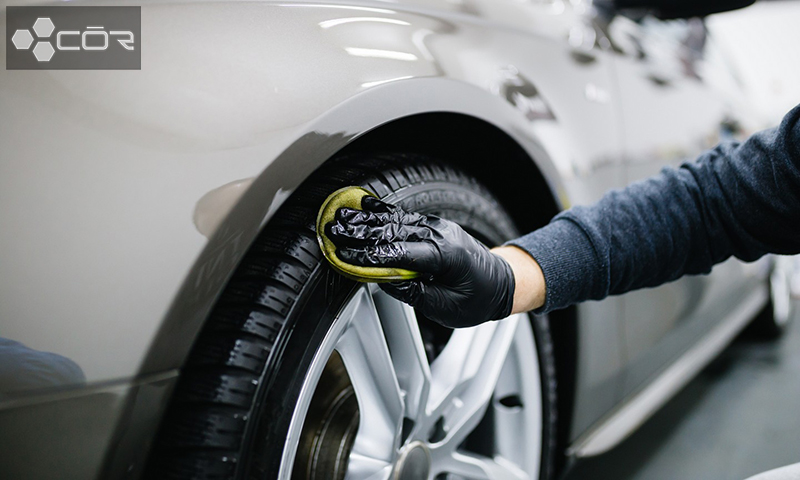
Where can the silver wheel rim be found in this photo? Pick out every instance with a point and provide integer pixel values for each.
(493, 365)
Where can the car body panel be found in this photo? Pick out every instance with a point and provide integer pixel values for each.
(103, 431)
(128, 155)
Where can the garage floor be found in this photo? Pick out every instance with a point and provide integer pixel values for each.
(740, 416)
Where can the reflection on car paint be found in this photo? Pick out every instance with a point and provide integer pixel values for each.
(214, 205)
(23, 369)
(520, 92)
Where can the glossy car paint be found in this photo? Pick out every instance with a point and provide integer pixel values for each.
(129, 197)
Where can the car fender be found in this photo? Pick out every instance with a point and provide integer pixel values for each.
(265, 193)
(113, 248)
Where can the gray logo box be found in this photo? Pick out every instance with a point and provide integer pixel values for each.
(73, 38)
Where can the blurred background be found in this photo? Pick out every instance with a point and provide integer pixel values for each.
(740, 416)
(761, 42)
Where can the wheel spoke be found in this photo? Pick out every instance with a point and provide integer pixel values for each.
(366, 357)
(477, 467)
(407, 351)
(464, 375)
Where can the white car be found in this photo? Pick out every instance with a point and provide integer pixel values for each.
(165, 312)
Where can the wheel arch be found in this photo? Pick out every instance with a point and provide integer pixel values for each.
(515, 167)
(450, 120)
(479, 148)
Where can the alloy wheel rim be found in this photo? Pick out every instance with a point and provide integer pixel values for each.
(414, 416)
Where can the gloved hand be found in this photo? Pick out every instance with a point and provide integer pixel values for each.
(464, 284)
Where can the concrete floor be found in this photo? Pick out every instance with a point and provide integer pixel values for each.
(740, 416)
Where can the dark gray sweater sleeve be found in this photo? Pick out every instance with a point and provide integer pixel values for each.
(739, 200)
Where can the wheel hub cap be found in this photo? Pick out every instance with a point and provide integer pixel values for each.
(414, 462)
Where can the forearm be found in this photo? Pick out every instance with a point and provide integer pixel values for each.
(736, 200)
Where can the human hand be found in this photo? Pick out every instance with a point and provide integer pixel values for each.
(462, 284)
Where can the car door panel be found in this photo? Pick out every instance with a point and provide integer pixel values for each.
(670, 114)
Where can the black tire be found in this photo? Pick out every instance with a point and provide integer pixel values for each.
(764, 326)
(231, 409)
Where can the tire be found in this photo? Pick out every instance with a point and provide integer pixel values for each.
(773, 321)
(283, 375)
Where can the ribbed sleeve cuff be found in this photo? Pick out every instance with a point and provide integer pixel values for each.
(573, 270)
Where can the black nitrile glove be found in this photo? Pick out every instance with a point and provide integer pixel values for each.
(464, 283)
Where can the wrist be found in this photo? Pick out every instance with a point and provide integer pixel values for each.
(529, 289)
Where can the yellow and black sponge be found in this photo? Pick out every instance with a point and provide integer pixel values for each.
(350, 197)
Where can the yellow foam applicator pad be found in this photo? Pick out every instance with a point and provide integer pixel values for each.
(351, 197)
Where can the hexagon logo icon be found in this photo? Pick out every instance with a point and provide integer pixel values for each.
(43, 51)
(43, 27)
(70, 37)
(22, 39)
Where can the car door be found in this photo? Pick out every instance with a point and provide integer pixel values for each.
(671, 112)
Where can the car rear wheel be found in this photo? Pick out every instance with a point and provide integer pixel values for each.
(302, 374)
